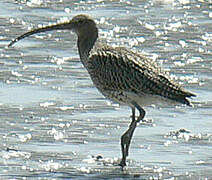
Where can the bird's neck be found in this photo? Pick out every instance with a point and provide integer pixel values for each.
(85, 44)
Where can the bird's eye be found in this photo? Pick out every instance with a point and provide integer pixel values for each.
(80, 21)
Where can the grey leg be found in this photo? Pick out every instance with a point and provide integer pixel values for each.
(127, 136)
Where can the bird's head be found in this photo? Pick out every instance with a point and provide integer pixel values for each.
(82, 25)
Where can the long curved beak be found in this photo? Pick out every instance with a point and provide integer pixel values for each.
(62, 26)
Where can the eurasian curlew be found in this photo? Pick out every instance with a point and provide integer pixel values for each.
(119, 74)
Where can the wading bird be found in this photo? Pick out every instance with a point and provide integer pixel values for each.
(120, 74)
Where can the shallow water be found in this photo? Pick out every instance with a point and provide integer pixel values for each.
(55, 124)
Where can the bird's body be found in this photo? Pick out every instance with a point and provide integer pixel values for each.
(120, 74)
(125, 76)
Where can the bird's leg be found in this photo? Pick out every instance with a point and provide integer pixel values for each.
(141, 112)
(127, 136)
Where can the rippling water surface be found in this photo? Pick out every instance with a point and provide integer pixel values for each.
(55, 124)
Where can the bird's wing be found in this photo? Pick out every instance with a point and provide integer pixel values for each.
(118, 69)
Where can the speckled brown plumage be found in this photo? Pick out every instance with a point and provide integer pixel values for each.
(120, 74)
(121, 70)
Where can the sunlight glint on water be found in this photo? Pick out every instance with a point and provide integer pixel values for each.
(55, 124)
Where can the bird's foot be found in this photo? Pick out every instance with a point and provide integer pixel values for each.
(122, 163)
